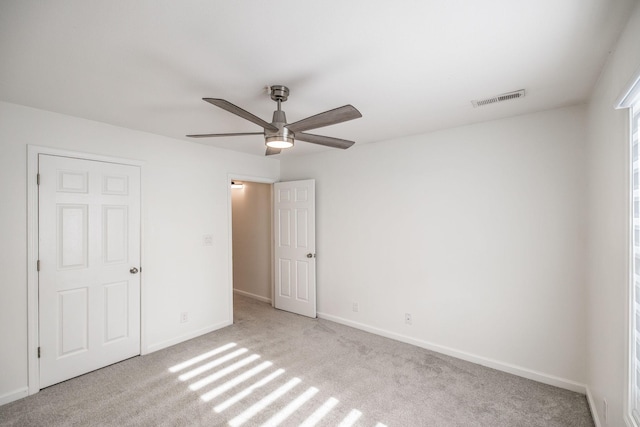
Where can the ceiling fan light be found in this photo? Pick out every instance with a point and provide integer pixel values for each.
(279, 142)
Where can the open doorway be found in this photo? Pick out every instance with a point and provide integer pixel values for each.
(251, 220)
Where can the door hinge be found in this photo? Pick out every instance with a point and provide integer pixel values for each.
(38, 265)
(38, 352)
(38, 179)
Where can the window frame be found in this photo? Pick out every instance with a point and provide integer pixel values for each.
(633, 320)
(630, 99)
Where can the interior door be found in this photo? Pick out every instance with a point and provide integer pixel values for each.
(89, 252)
(295, 246)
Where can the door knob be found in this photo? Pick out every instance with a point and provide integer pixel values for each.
(133, 270)
(310, 255)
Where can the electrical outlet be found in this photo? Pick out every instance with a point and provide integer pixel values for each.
(355, 307)
(605, 411)
(207, 240)
(184, 317)
(407, 319)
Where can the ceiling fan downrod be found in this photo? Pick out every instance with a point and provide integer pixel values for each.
(282, 138)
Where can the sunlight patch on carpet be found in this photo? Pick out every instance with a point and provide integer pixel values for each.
(351, 418)
(223, 372)
(264, 402)
(200, 358)
(292, 407)
(320, 413)
(211, 371)
(234, 382)
(247, 391)
(208, 366)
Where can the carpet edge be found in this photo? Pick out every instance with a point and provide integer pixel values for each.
(14, 395)
(177, 340)
(469, 357)
(250, 295)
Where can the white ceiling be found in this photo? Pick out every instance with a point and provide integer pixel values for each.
(409, 66)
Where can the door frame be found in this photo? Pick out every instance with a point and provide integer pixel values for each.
(33, 337)
(249, 178)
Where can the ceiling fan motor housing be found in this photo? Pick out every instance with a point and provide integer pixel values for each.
(283, 134)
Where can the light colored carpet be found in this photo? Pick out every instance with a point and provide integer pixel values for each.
(276, 368)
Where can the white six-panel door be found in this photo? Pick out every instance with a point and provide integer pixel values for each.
(89, 252)
(295, 247)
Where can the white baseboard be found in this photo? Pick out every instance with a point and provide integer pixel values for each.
(250, 295)
(491, 363)
(14, 395)
(177, 340)
(593, 408)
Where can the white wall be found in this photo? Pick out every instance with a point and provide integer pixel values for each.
(185, 196)
(477, 231)
(252, 240)
(608, 166)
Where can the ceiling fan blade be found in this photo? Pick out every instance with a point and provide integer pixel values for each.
(210, 135)
(226, 105)
(271, 151)
(331, 117)
(324, 140)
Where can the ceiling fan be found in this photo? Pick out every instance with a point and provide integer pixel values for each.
(279, 134)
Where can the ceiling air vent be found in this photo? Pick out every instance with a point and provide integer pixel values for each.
(498, 98)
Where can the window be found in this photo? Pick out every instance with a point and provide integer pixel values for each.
(630, 98)
(634, 347)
